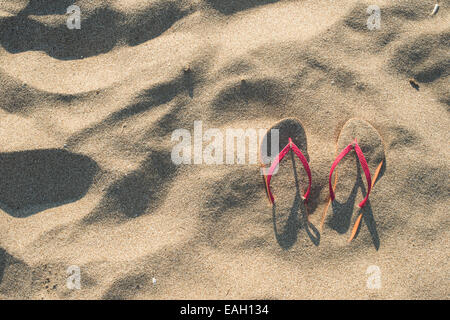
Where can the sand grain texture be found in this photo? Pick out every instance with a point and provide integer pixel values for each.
(86, 118)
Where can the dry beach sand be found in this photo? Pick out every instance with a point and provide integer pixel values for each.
(86, 177)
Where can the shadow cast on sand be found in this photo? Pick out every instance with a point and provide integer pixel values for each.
(3, 258)
(35, 180)
(343, 212)
(232, 6)
(133, 194)
(101, 30)
(288, 236)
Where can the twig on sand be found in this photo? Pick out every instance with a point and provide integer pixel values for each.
(414, 84)
(435, 10)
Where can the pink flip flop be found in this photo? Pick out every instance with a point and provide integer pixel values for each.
(290, 129)
(365, 167)
(358, 130)
(281, 155)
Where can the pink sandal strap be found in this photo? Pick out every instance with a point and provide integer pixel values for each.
(281, 155)
(364, 166)
(305, 166)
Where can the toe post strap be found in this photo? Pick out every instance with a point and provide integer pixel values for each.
(365, 167)
(290, 146)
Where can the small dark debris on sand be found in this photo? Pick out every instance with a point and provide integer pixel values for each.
(414, 84)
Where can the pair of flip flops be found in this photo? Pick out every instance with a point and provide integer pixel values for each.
(357, 136)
